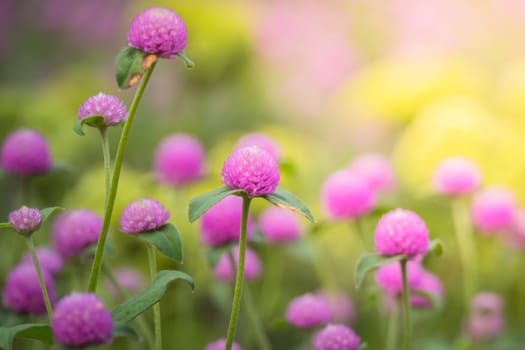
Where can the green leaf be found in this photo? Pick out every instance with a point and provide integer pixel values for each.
(369, 261)
(151, 295)
(95, 120)
(286, 200)
(5, 225)
(167, 241)
(46, 212)
(130, 66)
(436, 246)
(121, 329)
(35, 331)
(363, 346)
(200, 204)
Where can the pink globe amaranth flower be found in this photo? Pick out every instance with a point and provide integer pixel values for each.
(221, 345)
(25, 220)
(109, 107)
(252, 266)
(401, 231)
(493, 209)
(389, 279)
(456, 176)
(221, 224)
(143, 215)
(159, 31)
(376, 169)
(486, 319)
(279, 225)
(179, 159)
(430, 284)
(251, 169)
(308, 311)
(81, 319)
(346, 195)
(25, 153)
(341, 306)
(484, 302)
(49, 260)
(515, 236)
(22, 291)
(128, 278)
(261, 140)
(74, 231)
(336, 337)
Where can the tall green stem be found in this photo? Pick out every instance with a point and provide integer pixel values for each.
(406, 306)
(392, 330)
(107, 162)
(97, 261)
(156, 308)
(47, 301)
(237, 293)
(255, 319)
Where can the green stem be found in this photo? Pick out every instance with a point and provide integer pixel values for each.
(237, 293)
(406, 306)
(255, 319)
(97, 261)
(156, 308)
(47, 301)
(392, 330)
(107, 162)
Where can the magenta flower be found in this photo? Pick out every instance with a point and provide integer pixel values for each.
(129, 279)
(336, 337)
(81, 319)
(486, 316)
(252, 266)
(22, 291)
(25, 220)
(388, 277)
(456, 176)
(376, 169)
(222, 223)
(49, 260)
(143, 215)
(308, 311)
(279, 225)
(261, 140)
(109, 107)
(401, 231)
(515, 236)
(430, 284)
(341, 306)
(74, 231)
(179, 159)
(159, 31)
(493, 209)
(251, 169)
(346, 195)
(221, 345)
(25, 153)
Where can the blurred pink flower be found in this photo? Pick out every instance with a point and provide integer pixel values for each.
(493, 209)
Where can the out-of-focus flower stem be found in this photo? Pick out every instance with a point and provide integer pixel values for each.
(47, 301)
(156, 308)
(406, 306)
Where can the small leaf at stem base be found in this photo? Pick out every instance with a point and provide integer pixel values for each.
(95, 120)
(199, 205)
(286, 200)
(370, 261)
(166, 240)
(436, 246)
(131, 64)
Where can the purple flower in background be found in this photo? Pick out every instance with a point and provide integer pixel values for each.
(25, 153)
(81, 319)
(261, 140)
(430, 284)
(221, 345)
(279, 225)
(128, 278)
(179, 159)
(341, 306)
(307, 311)
(493, 209)
(109, 107)
(388, 277)
(376, 169)
(456, 176)
(49, 260)
(486, 319)
(515, 236)
(336, 337)
(252, 266)
(22, 291)
(143, 215)
(25, 220)
(74, 231)
(251, 169)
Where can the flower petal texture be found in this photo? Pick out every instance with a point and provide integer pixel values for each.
(142, 215)
(109, 107)
(336, 337)
(25, 220)
(263, 141)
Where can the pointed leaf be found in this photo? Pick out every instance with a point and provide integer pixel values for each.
(40, 332)
(436, 246)
(46, 212)
(121, 329)
(95, 120)
(200, 204)
(167, 241)
(151, 295)
(130, 66)
(369, 261)
(286, 200)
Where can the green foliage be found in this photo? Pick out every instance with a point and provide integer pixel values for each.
(370, 261)
(286, 200)
(93, 120)
(41, 332)
(166, 240)
(199, 205)
(129, 67)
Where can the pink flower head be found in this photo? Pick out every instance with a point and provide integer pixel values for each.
(22, 291)
(159, 31)
(129, 279)
(336, 337)
(308, 311)
(25, 220)
(401, 231)
(493, 209)
(261, 140)
(430, 284)
(143, 215)
(376, 169)
(221, 345)
(81, 319)
(251, 169)
(49, 260)
(252, 266)
(389, 278)
(25, 153)
(179, 159)
(109, 107)
(74, 231)
(456, 176)
(346, 195)
(486, 319)
(515, 236)
(222, 223)
(279, 225)
(341, 306)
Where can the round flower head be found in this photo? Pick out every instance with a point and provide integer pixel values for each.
(486, 320)
(81, 319)
(486, 302)
(221, 345)
(430, 284)
(49, 260)
(336, 337)
(179, 159)
(222, 223)
(74, 231)
(493, 209)
(109, 107)
(346, 195)
(342, 308)
(25, 220)
(515, 237)
(456, 176)
(307, 311)
(389, 278)
(129, 279)
(143, 215)
(376, 169)
(158, 31)
(401, 231)
(251, 169)
(261, 140)
(252, 266)
(279, 225)
(25, 153)
(22, 291)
